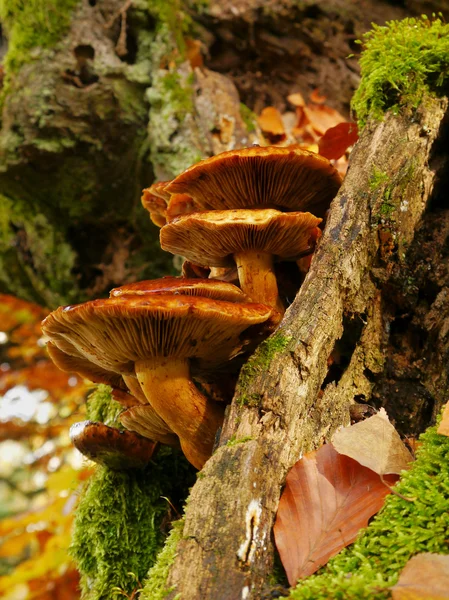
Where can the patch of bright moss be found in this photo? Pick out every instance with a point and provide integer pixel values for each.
(118, 528)
(248, 117)
(259, 361)
(368, 568)
(103, 408)
(233, 441)
(33, 24)
(155, 586)
(401, 62)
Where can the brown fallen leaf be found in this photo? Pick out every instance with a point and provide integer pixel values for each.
(337, 140)
(322, 117)
(316, 97)
(375, 444)
(296, 99)
(270, 122)
(443, 427)
(327, 499)
(424, 577)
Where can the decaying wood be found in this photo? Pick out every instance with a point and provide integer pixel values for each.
(337, 324)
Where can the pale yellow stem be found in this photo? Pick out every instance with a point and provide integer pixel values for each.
(257, 278)
(167, 385)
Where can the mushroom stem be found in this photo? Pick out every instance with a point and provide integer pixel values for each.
(257, 278)
(169, 389)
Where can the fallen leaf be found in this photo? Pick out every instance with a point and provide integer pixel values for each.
(375, 444)
(327, 499)
(337, 140)
(316, 97)
(322, 117)
(270, 122)
(424, 577)
(193, 52)
(443, 427)
(296, 99)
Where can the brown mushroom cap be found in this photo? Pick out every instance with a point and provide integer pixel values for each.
(292, 178)
(111, 447)
(207, 288)
(142, 419)
(155, 200)
(115, 333)
(76, 363)
(213, 237)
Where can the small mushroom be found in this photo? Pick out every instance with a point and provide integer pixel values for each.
(155, 201)
(207, 288)
(249, 238)
(155, 337)
(291, 179)
(75, 362)
(111, 447)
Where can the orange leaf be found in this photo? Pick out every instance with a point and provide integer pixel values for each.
(337, 140)
(270, 121)
(322, 117)
(317, 98)
(296, 99)
(193, 52)
(327, 499)
(443, 427)
(424, 577)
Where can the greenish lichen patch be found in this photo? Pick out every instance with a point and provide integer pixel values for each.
(101, 407)
(368, 568)
(234, 441)
(401, 63)
(33, 24)
(155, 586)
(259, 362)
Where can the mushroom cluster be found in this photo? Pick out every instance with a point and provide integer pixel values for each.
(163, 344)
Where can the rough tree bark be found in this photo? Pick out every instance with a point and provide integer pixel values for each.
(334, 346)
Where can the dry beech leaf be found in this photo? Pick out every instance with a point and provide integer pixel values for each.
(327, 499)
(375, 444)
(296, 99)
(424, 577)
(337, 140)
(443, 428)
(322, 117)
(270, 122)
(316, 97)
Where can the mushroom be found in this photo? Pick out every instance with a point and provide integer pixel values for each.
(111, 447)
(250, 238)
(163, 206)
(292, 179)
(207, 288)
(75, 362)
(155, 200)
(155, 337)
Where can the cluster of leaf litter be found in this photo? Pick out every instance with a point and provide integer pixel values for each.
(414, 520)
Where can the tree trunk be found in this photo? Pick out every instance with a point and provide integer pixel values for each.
(337, 343)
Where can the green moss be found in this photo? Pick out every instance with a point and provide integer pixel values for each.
(401, 62)
(377, 179)
(103, 408)
(259, 362)
(37, 262)
(233, 441)
(248, 117)
(369, 567)
(33, 24)
(118, 528)
(155, 585)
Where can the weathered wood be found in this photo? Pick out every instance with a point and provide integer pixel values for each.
(288, 405)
